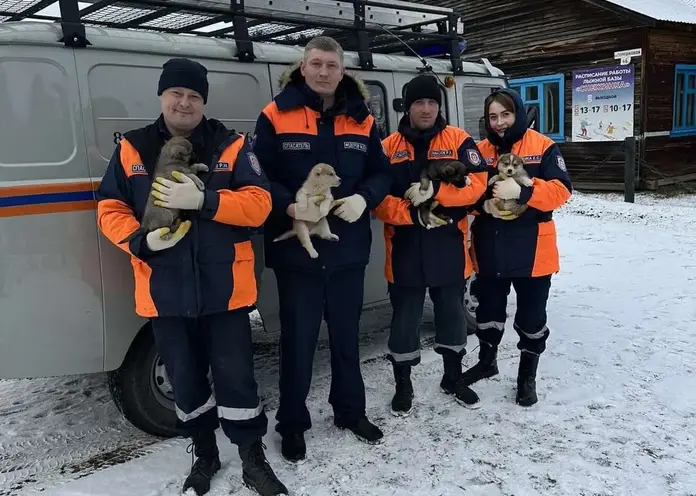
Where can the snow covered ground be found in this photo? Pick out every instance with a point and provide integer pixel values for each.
(617, 387)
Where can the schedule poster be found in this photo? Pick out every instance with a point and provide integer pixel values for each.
(603, 103)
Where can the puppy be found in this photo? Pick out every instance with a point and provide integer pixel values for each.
(447, 171)
(509, 165)
(319, 182)
(176, 155)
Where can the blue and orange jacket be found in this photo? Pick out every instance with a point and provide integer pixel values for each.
(416, 256)
(526, 246)
(293, 135)
(211, 269)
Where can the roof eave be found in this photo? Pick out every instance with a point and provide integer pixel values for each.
(624, 12)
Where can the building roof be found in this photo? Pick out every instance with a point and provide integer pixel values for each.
(661, 10)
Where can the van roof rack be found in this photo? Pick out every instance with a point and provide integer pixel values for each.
(366, 26)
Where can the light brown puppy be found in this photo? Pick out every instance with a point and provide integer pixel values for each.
(318, 184)
(509, 165)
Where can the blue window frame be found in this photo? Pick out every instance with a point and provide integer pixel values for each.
(546, 93)
(684, 114)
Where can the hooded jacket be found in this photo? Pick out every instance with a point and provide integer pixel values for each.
(292, 135)
(526, 246)
(211, 269)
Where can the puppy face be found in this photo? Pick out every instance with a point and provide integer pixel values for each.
(452, 171)
(324, 175)
(177, 148)
(510, 164)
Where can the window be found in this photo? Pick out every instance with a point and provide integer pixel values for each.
(684, 122)
(473, 98)
(35, 105)
(544, 93)
(378, 106)
(117, 108)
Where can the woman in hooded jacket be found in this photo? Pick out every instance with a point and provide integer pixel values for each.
(516, 250)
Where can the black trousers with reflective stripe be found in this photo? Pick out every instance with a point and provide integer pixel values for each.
(220, 343)
(530, 318)
(304, 298)
(407, 312)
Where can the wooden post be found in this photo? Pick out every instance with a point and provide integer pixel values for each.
(630, 170)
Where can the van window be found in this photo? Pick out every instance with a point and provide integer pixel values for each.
(473, 98)
(378, 106)
(38, 123)
(235, 98)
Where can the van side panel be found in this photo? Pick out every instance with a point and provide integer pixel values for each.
(50, 286)
(119, 92)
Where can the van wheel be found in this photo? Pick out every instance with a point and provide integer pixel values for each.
(141, 389)
(470, 304)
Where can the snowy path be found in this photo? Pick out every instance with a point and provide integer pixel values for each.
(617, 386)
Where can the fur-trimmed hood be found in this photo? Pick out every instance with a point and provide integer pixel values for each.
(351, 91)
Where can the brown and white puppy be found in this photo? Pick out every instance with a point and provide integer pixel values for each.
(509, 165)
(175, 156)
(319, 182)
(447, 171)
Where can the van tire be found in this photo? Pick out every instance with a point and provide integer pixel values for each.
(132, 391)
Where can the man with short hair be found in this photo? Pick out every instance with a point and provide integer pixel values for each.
(423, 254)
(321, 116)
(197, 285)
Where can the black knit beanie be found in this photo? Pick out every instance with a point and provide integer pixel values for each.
(422, 86)
(185, 73)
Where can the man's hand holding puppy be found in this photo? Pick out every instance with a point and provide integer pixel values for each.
(350, 208)
(416, 196)
(312, 212)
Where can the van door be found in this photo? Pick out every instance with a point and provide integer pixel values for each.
(50, 287)
(118, 93)
(380, 85)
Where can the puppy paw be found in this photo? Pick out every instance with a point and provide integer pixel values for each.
(333, 237)
(312, 253)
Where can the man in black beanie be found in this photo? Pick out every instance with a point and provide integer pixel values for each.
(197, 284)
(422, 254)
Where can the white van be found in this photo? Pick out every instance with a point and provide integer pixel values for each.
(66, 293)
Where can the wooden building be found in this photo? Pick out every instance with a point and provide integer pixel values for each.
(541, 44)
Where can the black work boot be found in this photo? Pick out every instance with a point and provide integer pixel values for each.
(256, 471)
(451, 381)
(487, 365)
(363, 429)
(204, 446)
(402, 402)
(293, 447)
(526, 379)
